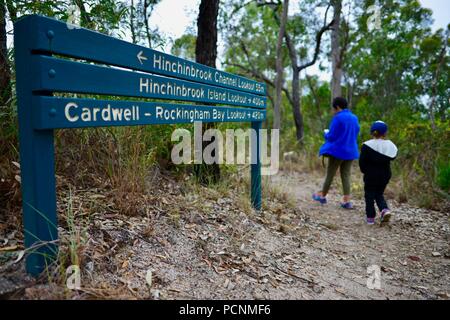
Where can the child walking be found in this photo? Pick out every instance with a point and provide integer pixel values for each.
(375, 163)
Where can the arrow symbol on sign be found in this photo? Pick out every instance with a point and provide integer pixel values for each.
(141, 57)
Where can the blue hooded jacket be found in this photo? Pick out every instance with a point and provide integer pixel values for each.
(341, 141)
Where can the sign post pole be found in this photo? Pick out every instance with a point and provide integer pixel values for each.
(255, 169)
(36, 166)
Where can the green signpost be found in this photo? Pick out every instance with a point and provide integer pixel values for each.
(45, 53)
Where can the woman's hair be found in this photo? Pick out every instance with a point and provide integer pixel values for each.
(340, 102)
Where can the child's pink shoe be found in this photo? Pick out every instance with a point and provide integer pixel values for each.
(386, 215)
(370, 221)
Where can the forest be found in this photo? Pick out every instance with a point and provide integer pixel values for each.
(384, 57)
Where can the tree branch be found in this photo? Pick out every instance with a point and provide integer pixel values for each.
(86, 20)
(291, 48)
(261, 76)
(259, 3)
(317, 48)
(147, 27)
(268, 3)
(239, 7)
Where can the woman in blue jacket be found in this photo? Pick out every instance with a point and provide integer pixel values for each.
(341, 148)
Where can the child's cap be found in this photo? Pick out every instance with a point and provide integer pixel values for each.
(379, 126)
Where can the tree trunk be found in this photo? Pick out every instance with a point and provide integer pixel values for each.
(279, 68)
(298, 117)
(132, 27)
(5, 72)
(336, 56)
(147, 27)
(206, 45)
(206, 53)
(295, 103)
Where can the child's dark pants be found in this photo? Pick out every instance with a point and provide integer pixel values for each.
(374, 193)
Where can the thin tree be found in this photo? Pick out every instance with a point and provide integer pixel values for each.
(147, 12)
(5, 73)
(279, 67)
(336, 56)
(206, 53)
(132, 22)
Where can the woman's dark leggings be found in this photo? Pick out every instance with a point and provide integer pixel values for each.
(374, 193)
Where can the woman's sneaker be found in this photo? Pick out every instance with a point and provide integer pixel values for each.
(386, 215)
(370, 221)
(318, 198)
(347, 205)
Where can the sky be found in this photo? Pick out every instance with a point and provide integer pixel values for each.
(183, 15)
(441, 11)
(173, 17)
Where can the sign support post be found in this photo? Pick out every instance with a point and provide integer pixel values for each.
(36, 165)
(255, 169)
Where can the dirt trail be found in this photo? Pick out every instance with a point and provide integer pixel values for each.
(412, 251)
(207, 247)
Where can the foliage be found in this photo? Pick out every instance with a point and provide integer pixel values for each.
(395, 65)
(184, 47)
(443, 178)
